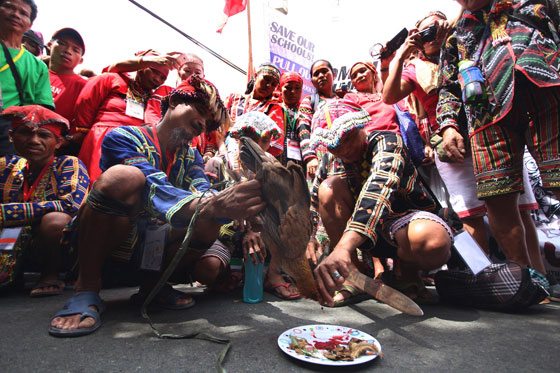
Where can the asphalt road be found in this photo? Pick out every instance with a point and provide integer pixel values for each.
(446, 339)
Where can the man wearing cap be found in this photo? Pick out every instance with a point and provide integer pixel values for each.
(24, 80)
(153, 177)
(372, 201)
(40, 192)
(33, 42)
(66, 50)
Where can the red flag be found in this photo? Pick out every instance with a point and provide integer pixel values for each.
(232, 7)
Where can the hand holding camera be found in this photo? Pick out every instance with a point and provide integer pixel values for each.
(412, 40)
(428, 34)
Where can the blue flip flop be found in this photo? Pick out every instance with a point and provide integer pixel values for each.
(79, 305)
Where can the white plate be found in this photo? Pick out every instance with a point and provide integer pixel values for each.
(322, 333)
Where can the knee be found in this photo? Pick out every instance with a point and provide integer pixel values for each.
(122, 183)
(208, 270)
(326, 193)
(52, 224)
(430, 243)
(332, 192)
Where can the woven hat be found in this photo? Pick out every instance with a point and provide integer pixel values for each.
(255, 123)
(335, 121)
(200, 91)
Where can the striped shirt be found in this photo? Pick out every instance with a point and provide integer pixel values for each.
(165, 193)
(61, 189)
(530, 52)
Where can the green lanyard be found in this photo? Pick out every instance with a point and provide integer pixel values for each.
(291, 121)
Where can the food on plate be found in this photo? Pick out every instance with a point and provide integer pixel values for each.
(350, 350)
(337, 348)
(301, 346)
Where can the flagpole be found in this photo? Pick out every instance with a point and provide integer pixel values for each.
(250, 68)
(196, 42)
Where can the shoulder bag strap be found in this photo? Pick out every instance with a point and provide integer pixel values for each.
(15, 72)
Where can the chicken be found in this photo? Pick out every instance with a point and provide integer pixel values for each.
(287, 224)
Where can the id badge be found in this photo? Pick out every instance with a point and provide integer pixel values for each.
(153, 247)
(293, 150)
(8, 238)
(134, 109)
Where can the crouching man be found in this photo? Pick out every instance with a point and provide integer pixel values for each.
(371, 199)
(151, 174)
(40, 192)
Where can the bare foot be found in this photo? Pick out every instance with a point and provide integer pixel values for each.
(48, 285)
(73, 322)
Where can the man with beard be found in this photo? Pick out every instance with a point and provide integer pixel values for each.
(152, 181)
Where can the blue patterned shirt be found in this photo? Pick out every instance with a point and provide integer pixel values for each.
(164, 195)
(61, 189)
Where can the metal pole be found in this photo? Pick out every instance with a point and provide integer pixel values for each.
(196, 42)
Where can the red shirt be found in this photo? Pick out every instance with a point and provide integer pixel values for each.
(103, 100)
(65, 90)
(428, 100)
(152, 114)
(384, 117)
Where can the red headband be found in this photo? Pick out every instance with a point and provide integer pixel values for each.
(290, 76)
(38, 116)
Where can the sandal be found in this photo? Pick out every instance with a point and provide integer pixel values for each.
(39, 290)
(554, 291)
(80, 304)
(356, 296)
(167, 298)
(415, 290)
(274, 289)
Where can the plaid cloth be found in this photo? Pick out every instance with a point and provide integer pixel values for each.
(505, 287)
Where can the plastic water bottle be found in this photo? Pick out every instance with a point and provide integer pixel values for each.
(253, 286)
(472, 83)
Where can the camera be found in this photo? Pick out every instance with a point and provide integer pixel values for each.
(428, 34)
(394, 44)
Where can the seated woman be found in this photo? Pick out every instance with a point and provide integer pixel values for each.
(365, 81)
(291, 85)
(373, 202)
(261, 129)
(259, 96)
(40, 192)
(322, 76)
(112, 100)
